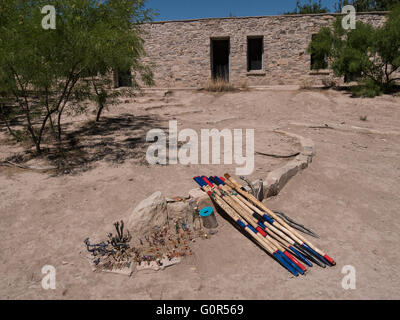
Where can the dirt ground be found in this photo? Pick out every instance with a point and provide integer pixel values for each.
(350, 195)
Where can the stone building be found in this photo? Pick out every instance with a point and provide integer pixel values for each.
(251, 51)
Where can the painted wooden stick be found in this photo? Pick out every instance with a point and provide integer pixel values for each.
(259, 212)
(247, 214)
(240, 210)
(304, 252)
(317, 258)
(260, 224)
(253, 233)
(308, 244)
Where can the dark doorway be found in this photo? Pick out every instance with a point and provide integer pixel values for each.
(124, 78)
(220, 59)
(318, 61)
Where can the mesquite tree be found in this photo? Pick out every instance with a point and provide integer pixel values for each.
(367, 5)
(46, 71)
(308, 7)
(372, 54)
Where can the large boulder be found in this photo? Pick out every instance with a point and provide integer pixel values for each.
(149, 213)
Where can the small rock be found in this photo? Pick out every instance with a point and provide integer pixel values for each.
(179, 210)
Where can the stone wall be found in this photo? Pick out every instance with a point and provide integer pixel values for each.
(180, 50)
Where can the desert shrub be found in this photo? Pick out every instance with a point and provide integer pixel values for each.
(219, 85)
(329, 82)
(371, 53)
(367, 5)
(367, 88)
(308, 7)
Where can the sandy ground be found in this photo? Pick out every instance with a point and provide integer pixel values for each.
(350, 195)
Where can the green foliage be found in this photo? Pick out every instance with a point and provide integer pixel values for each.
(367, 88)
(312, 6)
(320, 48)
(43, 69)
(367, 5)
(101, 96)
(372, 54)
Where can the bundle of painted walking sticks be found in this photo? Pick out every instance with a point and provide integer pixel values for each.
(268, 230)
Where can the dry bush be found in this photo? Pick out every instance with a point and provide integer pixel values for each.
(307, 83)
(329, 82)
(219, 85)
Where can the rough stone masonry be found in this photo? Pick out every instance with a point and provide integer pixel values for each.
(182, 55)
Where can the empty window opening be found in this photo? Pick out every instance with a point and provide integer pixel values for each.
(124, 78)
(220, 59)
(318, 61)
(255, 52)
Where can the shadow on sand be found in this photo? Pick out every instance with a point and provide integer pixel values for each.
(113, 139)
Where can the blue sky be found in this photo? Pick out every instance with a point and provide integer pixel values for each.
(190, 9)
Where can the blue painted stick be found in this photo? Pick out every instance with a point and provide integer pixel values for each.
(277, 254)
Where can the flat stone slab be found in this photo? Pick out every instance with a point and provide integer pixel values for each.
(278, 178)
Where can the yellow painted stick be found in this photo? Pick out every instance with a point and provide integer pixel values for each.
(294, 234)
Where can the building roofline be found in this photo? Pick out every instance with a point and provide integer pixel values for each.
(269, 16)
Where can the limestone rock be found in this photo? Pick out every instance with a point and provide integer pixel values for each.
(180, 209)
(201, 198)
(149, 213)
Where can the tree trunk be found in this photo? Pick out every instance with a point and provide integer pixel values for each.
(32, 132)
(3, 116)
(35, 140)
(101, 107)
(59, 124)
(387, 75)
(38, 149)
(74, 79)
